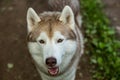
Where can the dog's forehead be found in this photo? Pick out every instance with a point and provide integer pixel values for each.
(44, 36)
(50, 24)
(52, 28)
(57, 30)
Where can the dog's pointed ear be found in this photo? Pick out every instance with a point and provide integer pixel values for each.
(67, 16)
(32, 19)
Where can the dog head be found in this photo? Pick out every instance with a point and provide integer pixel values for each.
(51, 39)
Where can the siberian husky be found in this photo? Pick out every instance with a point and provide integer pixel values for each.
(55, 40)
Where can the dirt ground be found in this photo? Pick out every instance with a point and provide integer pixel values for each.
(15, 61)
(112, 10)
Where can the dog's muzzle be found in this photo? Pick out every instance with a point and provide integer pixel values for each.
(51, 63)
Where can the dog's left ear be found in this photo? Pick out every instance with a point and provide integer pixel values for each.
(67, 16)
(32, 19)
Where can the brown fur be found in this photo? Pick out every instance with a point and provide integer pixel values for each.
(50, 23)
(74, 4)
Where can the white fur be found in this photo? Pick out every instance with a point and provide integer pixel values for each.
(32, 18)
(40, 52)
(67, 12)
(63, 52)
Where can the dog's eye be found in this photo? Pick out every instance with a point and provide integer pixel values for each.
(42, 41)
(60, 40)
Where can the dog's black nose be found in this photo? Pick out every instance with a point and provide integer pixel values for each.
(51, 61)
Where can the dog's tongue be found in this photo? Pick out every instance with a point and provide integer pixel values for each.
(53, 71)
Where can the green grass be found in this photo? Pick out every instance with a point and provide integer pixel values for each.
(101, 44)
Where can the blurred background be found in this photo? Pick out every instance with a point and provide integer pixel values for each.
(15, 61)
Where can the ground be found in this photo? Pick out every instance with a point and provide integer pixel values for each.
(112, 10)
(15, 61)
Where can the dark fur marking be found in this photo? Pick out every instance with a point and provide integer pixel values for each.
(30, 37)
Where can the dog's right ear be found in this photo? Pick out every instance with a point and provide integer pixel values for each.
(67, 16)
(32, 19)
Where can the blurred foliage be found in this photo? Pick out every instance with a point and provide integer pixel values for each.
(100, 41)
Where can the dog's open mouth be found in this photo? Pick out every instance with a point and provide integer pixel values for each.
(53, 71)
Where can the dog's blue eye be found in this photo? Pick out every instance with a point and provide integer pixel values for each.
(60, 40)
(42, 41)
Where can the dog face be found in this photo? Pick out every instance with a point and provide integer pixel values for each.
(52, 39)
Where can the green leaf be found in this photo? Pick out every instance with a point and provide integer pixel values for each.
(101, 45)
(100, 60)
